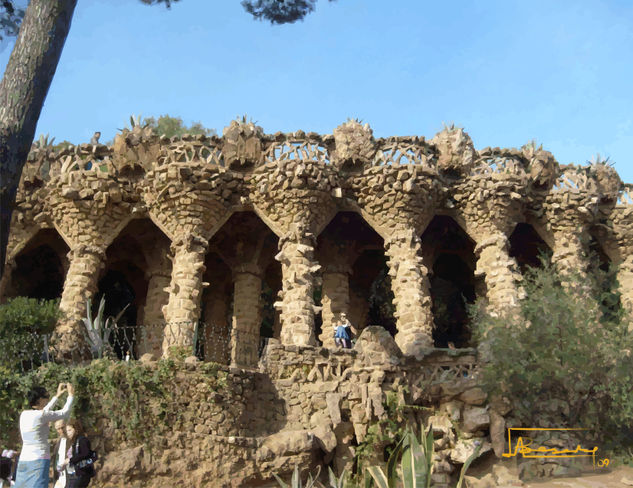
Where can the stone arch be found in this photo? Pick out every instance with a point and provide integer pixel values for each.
(38, 269)
(526, 246)
(449, 254)
(352, 257)
(241, 267)
(215, 311)
(135, 273)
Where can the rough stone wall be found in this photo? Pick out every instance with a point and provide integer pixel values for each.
(296, 183)
(304, 405)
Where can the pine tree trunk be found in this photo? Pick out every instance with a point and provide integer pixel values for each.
(23, 89)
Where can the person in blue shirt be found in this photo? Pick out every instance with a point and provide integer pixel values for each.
(342, 335)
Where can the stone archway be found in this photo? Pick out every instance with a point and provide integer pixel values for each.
(119, 293)
(244, 283)
(449, 253)
(527, 247)
(216, 306)
(39, 269)
(137, 270)
(352, 257)
(371, 296)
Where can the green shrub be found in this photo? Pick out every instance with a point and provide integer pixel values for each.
(139, 401)
(24, 324)
(564, 359)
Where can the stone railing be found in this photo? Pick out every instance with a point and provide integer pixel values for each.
(192, 149)
(573, 179)
(297, 148)
(44, 162)
(448, 366)
(404, 150)
(498, 163)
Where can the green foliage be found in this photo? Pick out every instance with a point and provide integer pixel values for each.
(415, 459)
(138, 400)
(388, 431)
(24, 322)
(277, 12)
(62, 145)
(565, 357)
(174, 126)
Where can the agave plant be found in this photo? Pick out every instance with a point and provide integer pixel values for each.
(98, 330)
(416, 463)
(44, 141)
(295, 482)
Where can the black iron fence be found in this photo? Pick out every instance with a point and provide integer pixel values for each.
(208, 342)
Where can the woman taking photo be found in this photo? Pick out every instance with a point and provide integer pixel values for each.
(35, 458)
(79, 467)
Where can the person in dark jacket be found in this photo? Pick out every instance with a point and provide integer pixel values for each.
(79, 467)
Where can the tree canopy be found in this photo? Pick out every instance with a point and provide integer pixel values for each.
(10, 18)
(565, 356)
(174, 126)
(275, 11)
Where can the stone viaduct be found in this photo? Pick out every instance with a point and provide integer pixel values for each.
(200, 226)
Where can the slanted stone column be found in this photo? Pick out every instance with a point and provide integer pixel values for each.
(499, 269)
(411, 290)
(185, 291)
(298, 268)
(625, 279)
(86, 263)
(335, 299)
(569, 252)
(216, 332)
(247, 316)
(153, 323)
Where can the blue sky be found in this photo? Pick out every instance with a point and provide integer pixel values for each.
(560, 72)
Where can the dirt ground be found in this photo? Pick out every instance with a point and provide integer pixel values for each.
(615, 478)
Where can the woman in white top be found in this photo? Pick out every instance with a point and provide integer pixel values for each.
(35, 458)
(59, 455)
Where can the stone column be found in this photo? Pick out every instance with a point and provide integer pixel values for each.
(411, 289)
(86, 263)
(153, 322)
(216, 332)
(358, 311)
(499, 270)
(569, 252)
(185, 292)
(247, 316)
(335, 299)
(625, 279)
(298, 268)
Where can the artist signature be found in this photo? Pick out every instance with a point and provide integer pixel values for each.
(522, 446)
